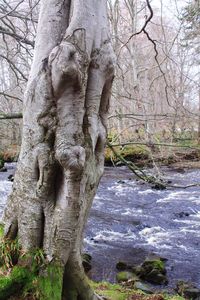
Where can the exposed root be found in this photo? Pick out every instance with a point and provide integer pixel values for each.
(98, 297)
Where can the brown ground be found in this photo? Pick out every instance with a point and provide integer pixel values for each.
(144, 297)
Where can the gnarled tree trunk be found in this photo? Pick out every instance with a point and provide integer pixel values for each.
(64, 132)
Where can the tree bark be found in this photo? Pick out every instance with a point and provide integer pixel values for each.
(64, 133)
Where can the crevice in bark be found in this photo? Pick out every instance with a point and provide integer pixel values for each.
(99, 146)
(42, 230)
(59, 180)
(11, 231)
(37, 172)
(105, 100)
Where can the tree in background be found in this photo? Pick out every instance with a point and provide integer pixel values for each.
(191, 21)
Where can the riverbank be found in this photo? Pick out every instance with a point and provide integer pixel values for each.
(121, 292)
(176, 156)
(21, 278)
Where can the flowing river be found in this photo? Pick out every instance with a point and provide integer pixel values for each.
(130, 220)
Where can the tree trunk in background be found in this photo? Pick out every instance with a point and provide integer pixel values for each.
(199, 121)
(64, 132)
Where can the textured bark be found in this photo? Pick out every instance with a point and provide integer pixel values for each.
(64, 133)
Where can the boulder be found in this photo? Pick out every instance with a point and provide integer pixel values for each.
(11, 178)
(137, 270)
(143, 287)
(182, 214)
(188, 290)
(3, 169)
(153, 270)
(155, 277)
(1, 163)
(152, 263)
(121, 266)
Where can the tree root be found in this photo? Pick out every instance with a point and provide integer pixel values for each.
(98, 297)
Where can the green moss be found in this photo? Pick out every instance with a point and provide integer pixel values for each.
(14, 282)
(153, 263)
(130, 152)
(25, 281)
(118, 292)
(176, 297)
(157, 264)
(22, 283)
(113, 291)
(49, 285)
(125, 276)
(1, 231)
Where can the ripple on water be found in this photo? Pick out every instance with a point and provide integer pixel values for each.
(177, 195)
(109, 235)
(156, 236)
(132, 212)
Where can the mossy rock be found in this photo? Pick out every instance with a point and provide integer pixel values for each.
(137, 270)
(153, 270)
(1, 163)
(188, 290)
(150, 263)
(3, 169)
(125, 276)
(143, 287)
(155, 277)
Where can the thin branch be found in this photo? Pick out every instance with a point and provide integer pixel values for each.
(10, 96)
(14, 67)
(10, 116)
(16, 36)
(143, 27)
(138, 172)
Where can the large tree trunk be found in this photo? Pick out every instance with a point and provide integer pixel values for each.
(64, 132)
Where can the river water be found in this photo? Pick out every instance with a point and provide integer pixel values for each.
(130, 220)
